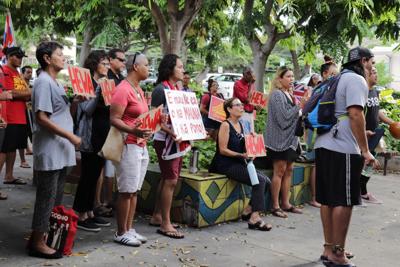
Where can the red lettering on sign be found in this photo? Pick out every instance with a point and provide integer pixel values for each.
(259, 99)
(151, 120)
(255, 146)
(81, 81)
(107, 89)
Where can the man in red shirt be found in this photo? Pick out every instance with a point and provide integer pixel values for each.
(15, 136)
(242, 90)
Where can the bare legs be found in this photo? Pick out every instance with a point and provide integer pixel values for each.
(281, 183)
(126, 207)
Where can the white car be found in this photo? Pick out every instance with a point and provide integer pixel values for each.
(204, 82)
(226, 82)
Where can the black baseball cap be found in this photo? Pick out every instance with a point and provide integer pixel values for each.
(358, 53)
(14, 51)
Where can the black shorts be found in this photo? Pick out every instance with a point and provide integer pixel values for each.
(338, 178)
(15, 137)
(287, 155)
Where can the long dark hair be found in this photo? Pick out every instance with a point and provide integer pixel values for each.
(356, 66)
(166, 67)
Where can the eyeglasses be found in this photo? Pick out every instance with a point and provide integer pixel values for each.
(123, 60)
(107, 65)
(238, 105)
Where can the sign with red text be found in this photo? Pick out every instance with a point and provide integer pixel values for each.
(216, 111)
(107, 89)
(81, 81)
(151, 120)
(185, 115)
(255, 146)
(258, 99)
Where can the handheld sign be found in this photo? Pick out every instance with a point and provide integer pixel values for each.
(151, 120)
(216, 111)
(107, 89)
(185, 115)
(255, 146)
(258, 99)
(81, 81)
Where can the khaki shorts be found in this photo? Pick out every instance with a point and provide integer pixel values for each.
(132, 168)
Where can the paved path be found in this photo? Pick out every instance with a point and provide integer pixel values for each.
(297, 241)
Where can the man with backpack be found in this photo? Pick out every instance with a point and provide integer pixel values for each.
(341, 152)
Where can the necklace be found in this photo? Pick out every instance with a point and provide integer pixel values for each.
(139, 96)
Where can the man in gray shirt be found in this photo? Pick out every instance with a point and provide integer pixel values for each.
(341, 155)
(53, 144)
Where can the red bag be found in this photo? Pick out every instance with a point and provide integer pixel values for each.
(63, 226)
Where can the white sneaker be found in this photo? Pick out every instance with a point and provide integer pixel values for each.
(139, 237)
(370, 198)
(127, 239)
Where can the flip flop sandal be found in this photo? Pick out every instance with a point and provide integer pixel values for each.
(176, 226)
(349, 256)
(260, 225)
(246, 217)
(329, 263)
(3, 196)
(171, 234)
(16, 181)
(278, 213)
(293, 209)
(103, 211)
(24, 165)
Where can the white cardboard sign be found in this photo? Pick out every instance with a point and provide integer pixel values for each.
(185, 115)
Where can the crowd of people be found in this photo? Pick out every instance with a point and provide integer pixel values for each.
(61, 126)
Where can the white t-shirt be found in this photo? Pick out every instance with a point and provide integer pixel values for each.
(352, 90)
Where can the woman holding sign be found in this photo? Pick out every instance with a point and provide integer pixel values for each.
(211, 125)
(169, 156)
(230, 159)
(127, 104)
(93, 126)
(280, 139)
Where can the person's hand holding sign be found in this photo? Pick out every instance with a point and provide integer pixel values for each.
(141, 133)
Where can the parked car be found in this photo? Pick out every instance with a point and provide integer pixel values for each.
(226, 82)
(204, 82)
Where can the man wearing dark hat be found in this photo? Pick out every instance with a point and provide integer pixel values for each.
(340, 157)
(16, 130)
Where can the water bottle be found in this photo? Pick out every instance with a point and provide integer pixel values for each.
(194, 161)
(252, 173)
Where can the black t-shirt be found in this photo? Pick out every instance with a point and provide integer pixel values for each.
(372, 110)
(100, 122)
(112, 76)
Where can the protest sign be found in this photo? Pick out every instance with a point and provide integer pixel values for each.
(216, 111)
(258, 99)
(81, 81)
(185, 115)
(255, 145)
(151, 120)
(107, 89)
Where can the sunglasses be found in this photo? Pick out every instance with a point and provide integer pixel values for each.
(123, 60)
(238, 105)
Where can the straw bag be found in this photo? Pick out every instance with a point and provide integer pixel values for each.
(114, 145)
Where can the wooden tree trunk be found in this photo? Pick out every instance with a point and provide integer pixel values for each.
(86, 47)
(259, 62)
(296, 66)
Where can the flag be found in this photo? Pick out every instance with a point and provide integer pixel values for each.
(8, 36)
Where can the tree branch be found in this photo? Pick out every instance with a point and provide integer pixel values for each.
(268, 27)
(160, 21)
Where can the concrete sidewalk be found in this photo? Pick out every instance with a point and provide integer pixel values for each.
(374, 237)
